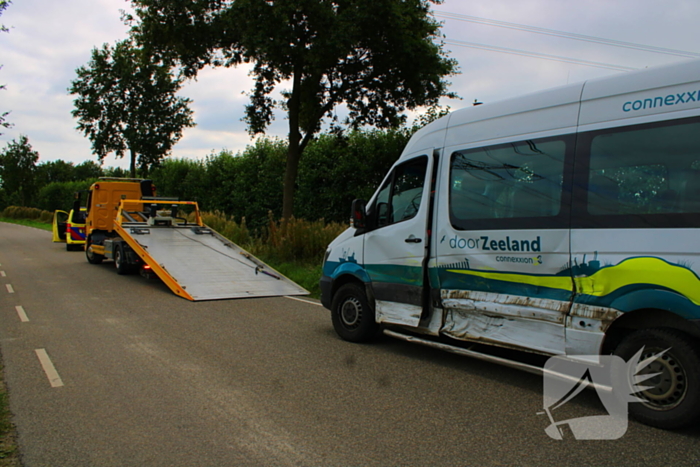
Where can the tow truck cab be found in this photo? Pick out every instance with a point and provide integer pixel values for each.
(102, 204)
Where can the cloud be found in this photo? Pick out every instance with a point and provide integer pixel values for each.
(48, 40)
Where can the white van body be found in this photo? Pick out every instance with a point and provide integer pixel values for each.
(559, 223)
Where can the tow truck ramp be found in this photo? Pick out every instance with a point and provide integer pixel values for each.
(197, 263)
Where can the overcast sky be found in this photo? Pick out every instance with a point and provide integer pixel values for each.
(49, 39)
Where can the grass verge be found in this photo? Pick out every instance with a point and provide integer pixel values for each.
(304, 274)
(27, 222)
(9, 454)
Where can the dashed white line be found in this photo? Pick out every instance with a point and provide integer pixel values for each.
(22, 314)
(2, 274)
(49, 369)
(9, 288)
(302, 300)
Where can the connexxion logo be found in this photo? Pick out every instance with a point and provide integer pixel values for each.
(661, 101)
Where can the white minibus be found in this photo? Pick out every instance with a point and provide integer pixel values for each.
(565, 222)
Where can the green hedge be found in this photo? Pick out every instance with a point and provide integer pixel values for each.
(20, 212)
(334, 170)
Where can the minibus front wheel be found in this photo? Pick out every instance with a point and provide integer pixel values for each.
(352, 315)
(672, 399)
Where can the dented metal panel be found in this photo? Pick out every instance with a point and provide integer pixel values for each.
(397, 313)
(507, 305)
(540, 336)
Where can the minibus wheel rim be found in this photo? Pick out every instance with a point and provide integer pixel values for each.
(669, 386)
(351, 312)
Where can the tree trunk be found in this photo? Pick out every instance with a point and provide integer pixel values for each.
(294, 150)
(290, 178)
(132, 170)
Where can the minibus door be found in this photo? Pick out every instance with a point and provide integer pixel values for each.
(395, 246)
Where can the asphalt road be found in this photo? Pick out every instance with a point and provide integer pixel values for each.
(144, 378)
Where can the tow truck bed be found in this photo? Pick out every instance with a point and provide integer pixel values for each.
(196, 262)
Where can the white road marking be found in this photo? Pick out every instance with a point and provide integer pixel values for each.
(2, 274)
(9, 288)
(49, 369)
(302, 300)
(21, 313)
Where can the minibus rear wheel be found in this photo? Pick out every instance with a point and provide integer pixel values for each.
(352, 316)
(673, 401)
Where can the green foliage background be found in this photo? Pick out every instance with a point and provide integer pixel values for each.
(335, 169)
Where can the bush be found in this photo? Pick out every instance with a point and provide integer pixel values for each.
(21, 212)
(297, 239)
(228, 227)
(60, 195)
(334, 170)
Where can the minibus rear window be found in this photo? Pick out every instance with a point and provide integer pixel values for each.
(645, 170)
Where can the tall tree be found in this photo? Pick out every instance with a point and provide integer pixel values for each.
(378, 57)
(54, 171)
(3, 122)
(18, 169)
(87, 170)
(126, 102)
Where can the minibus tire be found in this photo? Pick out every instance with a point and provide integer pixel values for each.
(675, 403)
(352, 316)
(93, 258)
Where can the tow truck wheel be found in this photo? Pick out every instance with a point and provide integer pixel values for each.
(352, 316)
(120, 261)
(93, 258)
(672, 399)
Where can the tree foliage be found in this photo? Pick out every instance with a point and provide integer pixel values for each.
(60, 171)
(3, 122)
(126, 102)
(379, 58)
(60, 195)
(18, 171)
(246, 185)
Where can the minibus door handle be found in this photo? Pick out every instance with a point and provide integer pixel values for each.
(412, 239)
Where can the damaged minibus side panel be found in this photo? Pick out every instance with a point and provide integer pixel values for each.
(502, 238)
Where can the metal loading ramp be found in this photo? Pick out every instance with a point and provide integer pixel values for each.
(206, 265)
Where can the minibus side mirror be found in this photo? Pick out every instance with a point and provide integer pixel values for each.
(358, 215)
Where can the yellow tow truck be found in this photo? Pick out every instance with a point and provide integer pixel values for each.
(126, 223)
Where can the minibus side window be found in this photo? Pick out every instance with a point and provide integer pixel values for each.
(492, 185)
(400, 197)
(645, 170)
(639, 176)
